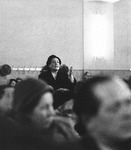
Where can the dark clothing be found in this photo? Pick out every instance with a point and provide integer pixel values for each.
(89, 143)
(33, 137)
(61, 81)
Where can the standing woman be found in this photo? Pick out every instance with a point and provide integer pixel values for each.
(56, 78)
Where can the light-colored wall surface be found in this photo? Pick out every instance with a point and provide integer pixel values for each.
(31, 30)
(122, 34)
(98, 35)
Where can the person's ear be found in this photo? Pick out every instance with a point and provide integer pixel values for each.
(87, 121)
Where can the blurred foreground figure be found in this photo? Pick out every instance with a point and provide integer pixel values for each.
(103, 106)
(33, 110)
(6, 98)
(12, 83)
(32, 103)
(5, 71)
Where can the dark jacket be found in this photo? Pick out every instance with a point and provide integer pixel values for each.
(60, 133)
(89, 143)
(61, 81)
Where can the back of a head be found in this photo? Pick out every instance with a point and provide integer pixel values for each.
(85, 100)
(28, 93)
(5, 70)
(64, 69)
(87, 75)
(60, 97)
(18, 80)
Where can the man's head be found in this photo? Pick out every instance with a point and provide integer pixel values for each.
(12, 82)
(5, 71)
(87, 75)
(104, 106)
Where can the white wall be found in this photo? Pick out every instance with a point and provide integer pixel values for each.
(98, 35)
(122, 28)
(31, 30)
(121, 48)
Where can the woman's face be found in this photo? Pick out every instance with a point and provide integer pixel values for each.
(13, 83)
(44, 111)
(55, 64)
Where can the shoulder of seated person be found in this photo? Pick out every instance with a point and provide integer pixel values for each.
(46, 72)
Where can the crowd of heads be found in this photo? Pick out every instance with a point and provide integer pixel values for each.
(28, 109)
(98, 113)
(13, 82)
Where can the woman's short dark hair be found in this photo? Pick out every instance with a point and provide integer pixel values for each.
(11, 80)
(27, 95)
(50, 58)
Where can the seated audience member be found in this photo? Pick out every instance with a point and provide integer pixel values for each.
(5, 71)
(60, 97)
(44, 68)
(6, 98)
(31, 97)
(18, 80)
(14, 137)
(87, 75)
(79, 84)
(56, 78)
(103, 106)
(9, 134)
(33, 109)
(12, 82)
(64, 69)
